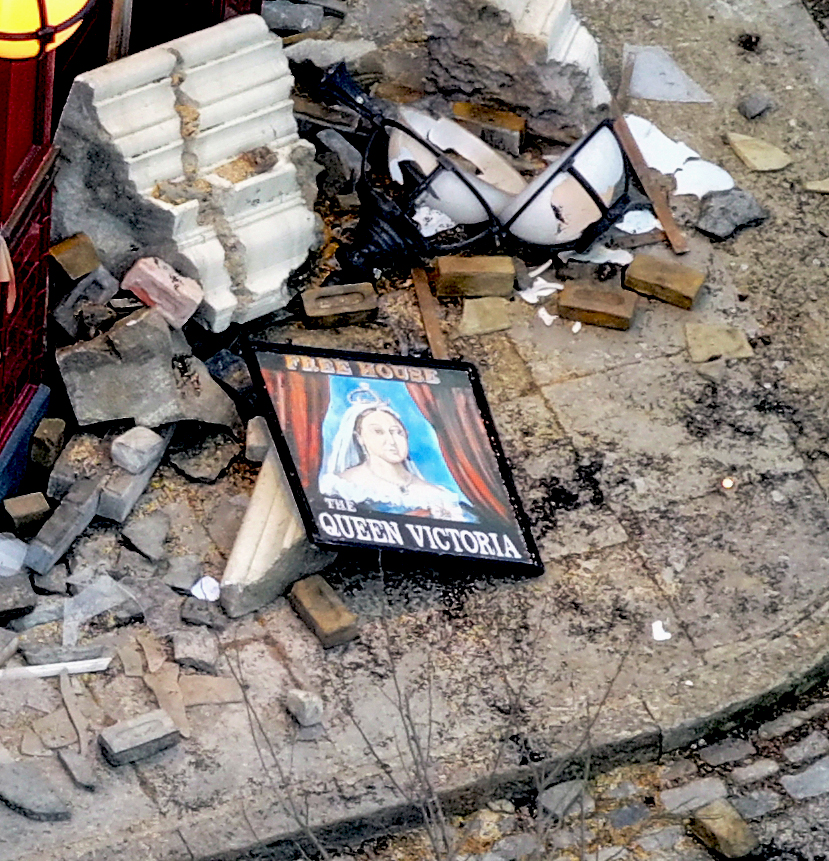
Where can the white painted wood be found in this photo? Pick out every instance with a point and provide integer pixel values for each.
(43, 671)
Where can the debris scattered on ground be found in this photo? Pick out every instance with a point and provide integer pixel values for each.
(723, 213)
(758, 154)
(665, 279)
(138, 738)
(656, 76)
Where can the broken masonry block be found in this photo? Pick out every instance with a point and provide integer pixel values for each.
(39, 653)
(122, 489)
(474, 276)
(503, 130)
(339, 304)
(47, 442)
(148, 534)
(12, 554)
(706, 343)
(27, 791)
(138, 738)
(76, 256)
(671, 282)
(17, 598)
(158, 285)
(196, 648)
(9, 641)
(94, 319)
(135, 449)
(85, 456)
(195, 611)
(721, 828)
(319, 606)
(97, 288)
(271, 550)
(606, 306)
(182, 573)
(53, 582)
(282, 15)
(191, 195)
(67, 522)
(305, 706)
(79, 769)
(257, 440)
(27, 512)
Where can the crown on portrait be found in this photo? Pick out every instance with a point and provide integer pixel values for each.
(365, 396)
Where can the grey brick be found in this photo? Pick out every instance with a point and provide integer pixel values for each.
(730, 750)
(759, 770)
(138, 738)
(684, 799)
(810, 782)
(814, 745)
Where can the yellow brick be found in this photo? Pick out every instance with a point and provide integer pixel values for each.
(664, 279)
(610, 307)
(319, 606)
(474, 276)
(76, 256)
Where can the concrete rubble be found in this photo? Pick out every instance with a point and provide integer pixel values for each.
(161, 604)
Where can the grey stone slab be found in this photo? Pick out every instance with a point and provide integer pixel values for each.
(681, 769)
(48, 610)
(759, 770)
(195, 611)
(729, 750)
(131, 563)
(814, 745)
(196, 648)
(283, 15)
(735, 556)
(25, 790)
(183, 572)
(17, 598)
(53, 582)
(810, 782)
(781, 725)
(97, 287)
(757, 803)
(67, 522)
(148, 534)
(206, 459)
(85, 456)
(138, 738)
(662, 838)
(630, 814)
(39, 653)
(664, 435)
(684, 799)
(656, 76)
(224, 520)
(723, 213)
(79, 768)
(566, 799)
(159, 606)
(9, 642)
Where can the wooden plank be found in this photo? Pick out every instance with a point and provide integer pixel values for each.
(119, 30)
(677, 239)
(429, 313)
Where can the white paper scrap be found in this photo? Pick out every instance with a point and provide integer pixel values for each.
(432, 221)
(639, 221)
(546, 317)
(699, 177)
(540, 288)
(659, 632)
(206, 589)
(600, 254)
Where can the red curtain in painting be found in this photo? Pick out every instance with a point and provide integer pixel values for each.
(300, 401)
(454, 415)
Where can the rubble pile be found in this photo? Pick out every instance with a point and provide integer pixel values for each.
(187, 209)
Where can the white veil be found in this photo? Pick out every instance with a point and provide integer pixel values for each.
(345, 452)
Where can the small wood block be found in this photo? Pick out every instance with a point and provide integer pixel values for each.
(319, 606)
(76, 256)
(474, 276)
(392, 92)
(671, 282)
(610, 307)
(482, 114)
(339, 304)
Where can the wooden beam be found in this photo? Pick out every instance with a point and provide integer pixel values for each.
(429, 313)
(120, 28)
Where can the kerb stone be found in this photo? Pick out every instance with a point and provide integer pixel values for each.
(138, 738)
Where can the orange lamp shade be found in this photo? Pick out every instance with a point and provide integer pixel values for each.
(29, 28)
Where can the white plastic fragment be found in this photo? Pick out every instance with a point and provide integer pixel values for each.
(206, 589)
(576, 327)
(539, 289)
(598, 253)
(659, 632)
(432, 221)
(534, 273)
(638, 221)
(700, 177)
(546, 317)
(43, 671)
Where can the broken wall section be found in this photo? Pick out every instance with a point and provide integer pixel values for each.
(188, 152)
(534, 56)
